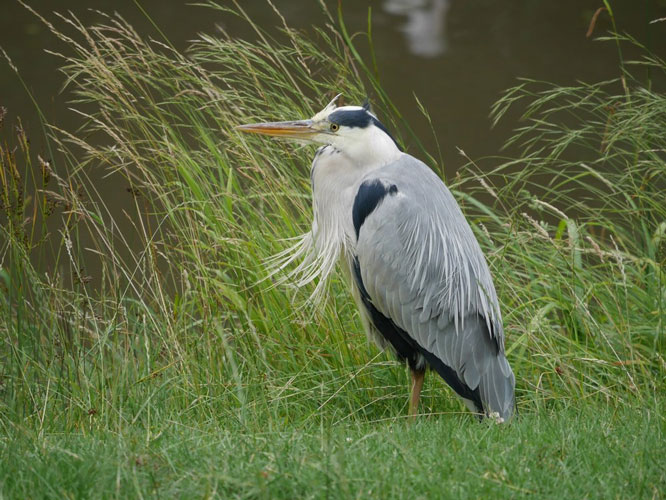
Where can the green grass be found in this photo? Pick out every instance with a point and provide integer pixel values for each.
(568, 453)
(145, 352)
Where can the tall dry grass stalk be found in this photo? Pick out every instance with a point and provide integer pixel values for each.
(153, 307)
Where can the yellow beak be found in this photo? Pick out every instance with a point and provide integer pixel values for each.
(295, 129)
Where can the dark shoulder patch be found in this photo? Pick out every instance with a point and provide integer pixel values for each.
(369, 195)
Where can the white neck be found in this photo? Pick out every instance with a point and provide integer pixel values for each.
(368, 148)
(335, 181)
(337, 172)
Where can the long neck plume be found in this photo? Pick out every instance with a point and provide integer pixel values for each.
(334, 184)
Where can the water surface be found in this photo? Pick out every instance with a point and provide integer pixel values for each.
(455, 55)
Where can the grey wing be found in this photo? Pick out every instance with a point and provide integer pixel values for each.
(422, 267)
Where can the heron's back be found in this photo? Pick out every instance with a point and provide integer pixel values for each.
(422, 268)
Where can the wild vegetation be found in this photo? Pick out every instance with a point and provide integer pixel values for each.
(145, 350)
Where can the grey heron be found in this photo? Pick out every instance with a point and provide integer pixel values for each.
(417, 272)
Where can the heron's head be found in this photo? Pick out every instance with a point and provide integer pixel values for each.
(353, 130)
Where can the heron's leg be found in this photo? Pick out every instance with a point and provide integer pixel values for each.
(417, 384)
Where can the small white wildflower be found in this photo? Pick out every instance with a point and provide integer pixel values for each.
(496, 417)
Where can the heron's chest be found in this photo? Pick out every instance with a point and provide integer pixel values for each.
(334, 184)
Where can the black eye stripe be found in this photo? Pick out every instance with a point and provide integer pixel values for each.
(351, 118)
(358, 118)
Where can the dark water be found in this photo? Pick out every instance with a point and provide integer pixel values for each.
(455, 55)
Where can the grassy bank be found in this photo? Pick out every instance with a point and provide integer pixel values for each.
(571, 453)
(145, 350)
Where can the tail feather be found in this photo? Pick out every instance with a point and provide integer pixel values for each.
(470, 361)
(496, 388)
(484, 368)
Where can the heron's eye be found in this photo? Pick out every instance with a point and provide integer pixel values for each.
(334, 127)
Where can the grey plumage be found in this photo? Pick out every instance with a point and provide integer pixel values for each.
(423, 268)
